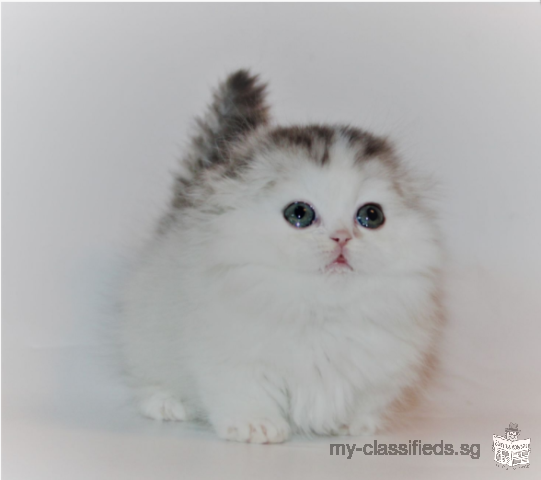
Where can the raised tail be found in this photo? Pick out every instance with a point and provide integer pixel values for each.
(238, 107)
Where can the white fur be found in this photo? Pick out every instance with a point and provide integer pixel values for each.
(232, 316)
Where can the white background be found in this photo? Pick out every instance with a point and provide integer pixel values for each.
(97, 100)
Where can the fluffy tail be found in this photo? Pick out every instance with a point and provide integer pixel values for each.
(238, 107)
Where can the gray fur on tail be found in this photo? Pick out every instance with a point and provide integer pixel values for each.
(238, 107)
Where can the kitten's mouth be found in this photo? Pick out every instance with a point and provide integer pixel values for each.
(339, 263)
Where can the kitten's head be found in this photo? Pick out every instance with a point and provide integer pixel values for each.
(331, 201)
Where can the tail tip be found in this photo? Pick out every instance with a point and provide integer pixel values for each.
(246, 89)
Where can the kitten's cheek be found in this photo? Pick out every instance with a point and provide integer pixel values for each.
(304, 264)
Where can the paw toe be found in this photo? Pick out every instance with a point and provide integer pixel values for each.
(255, 431)
(162, 406)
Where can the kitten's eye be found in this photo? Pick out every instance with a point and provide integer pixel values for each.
(370, 216)
(300, 214)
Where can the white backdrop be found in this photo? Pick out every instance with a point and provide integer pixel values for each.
(97, 99)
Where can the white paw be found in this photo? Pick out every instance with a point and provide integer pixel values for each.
(162, 406)
(341, 430)
(260, 430)
(368, 425)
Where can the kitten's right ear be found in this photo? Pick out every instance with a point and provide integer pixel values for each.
(239, 107)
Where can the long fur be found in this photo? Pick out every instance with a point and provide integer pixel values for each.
(234, 316)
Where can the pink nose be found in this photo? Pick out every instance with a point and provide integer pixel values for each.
(341, 237)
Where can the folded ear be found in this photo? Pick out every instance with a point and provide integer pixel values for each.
(238, 107)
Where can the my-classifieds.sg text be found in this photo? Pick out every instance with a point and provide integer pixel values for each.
(413, 447)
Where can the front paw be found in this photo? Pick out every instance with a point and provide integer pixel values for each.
(363, 426)
(256, 430)
(162, 406)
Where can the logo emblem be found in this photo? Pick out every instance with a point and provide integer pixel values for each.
(509, 451)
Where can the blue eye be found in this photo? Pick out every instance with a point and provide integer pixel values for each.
(370, 216)
(299, 214)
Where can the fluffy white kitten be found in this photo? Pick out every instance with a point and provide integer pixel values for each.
(292, 285)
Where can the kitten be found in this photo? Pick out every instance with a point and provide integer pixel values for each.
(292, 285)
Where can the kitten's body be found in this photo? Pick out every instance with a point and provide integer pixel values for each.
(235, 316)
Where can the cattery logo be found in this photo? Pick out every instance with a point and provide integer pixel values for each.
(509, 451)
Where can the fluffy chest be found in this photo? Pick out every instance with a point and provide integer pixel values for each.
(368, 332)
(358, 353)
(327, 367)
